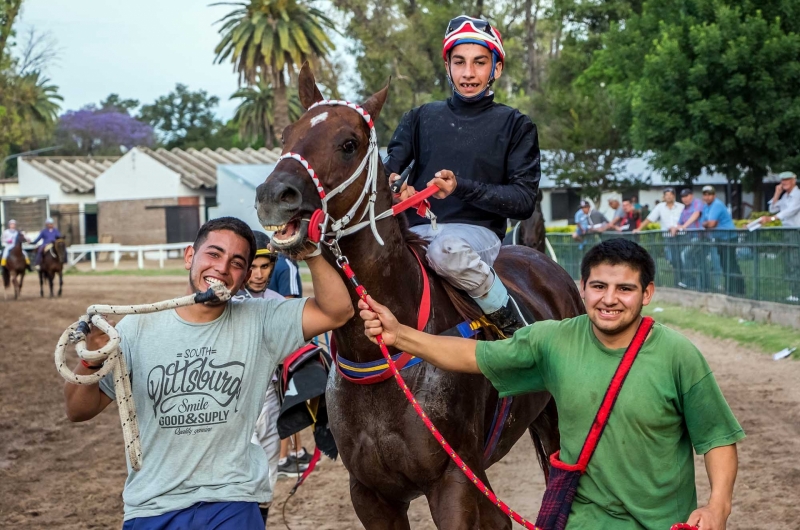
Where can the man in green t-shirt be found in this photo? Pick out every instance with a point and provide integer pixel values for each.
(642, 473)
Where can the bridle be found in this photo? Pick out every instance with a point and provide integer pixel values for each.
(321, 224)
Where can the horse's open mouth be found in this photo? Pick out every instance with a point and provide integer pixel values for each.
(289, 235)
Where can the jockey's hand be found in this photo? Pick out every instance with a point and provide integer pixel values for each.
(406, 191)
(96, 339)
(377, 322)
(709, 517)
(445, 180)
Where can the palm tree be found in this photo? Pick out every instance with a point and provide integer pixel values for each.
(38, 99)
(36, 104)
(255, 113)
(268, 38)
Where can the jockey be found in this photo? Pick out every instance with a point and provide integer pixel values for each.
(47, 236)
(9, 238)
(484, 157)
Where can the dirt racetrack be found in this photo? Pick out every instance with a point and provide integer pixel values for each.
(59, 475)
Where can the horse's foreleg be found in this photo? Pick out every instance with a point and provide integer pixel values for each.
(41, 284)
(457, 504)
(51, 278)
(376, 512)
(60, 282)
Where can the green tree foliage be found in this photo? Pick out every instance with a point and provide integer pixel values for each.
(708, 84)
(184, 119)
(254, 115)
(114, 102)
(271, 39)
(28, 101)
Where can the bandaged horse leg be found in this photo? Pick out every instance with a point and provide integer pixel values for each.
(463, 255)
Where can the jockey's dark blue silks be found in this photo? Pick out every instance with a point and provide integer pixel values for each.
(492, 149)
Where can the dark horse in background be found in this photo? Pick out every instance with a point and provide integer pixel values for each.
(391, 457)
(14, 271)
(53, 257)
(529, 232)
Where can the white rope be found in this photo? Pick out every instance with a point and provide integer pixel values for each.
(114, 361)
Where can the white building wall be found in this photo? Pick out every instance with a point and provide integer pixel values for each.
(9, 189)
(136, 176)
(34, 182)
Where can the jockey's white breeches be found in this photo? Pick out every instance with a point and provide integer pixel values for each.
(462, 254)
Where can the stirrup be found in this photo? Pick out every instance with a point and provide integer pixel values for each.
(507, 319)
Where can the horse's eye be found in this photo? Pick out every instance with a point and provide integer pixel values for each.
(349, 147)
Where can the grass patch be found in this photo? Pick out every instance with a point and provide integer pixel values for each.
(128, 272)
(767, 338)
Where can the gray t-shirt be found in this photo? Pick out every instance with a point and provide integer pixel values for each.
(198, 390)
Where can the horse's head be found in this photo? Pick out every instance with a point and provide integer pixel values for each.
(333, 141)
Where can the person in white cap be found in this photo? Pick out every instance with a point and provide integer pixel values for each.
(9, 238)
(785, 204)
(47, 236)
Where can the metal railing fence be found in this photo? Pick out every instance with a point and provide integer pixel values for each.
(760, 265)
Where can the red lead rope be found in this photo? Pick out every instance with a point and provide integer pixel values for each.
(362, 294)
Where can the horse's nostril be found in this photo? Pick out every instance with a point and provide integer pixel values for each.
(288, 195)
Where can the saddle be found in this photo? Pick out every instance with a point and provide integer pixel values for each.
(301, 389)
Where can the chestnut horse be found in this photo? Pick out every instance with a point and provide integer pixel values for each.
(14, 271)
(387, 450)
(52, 264)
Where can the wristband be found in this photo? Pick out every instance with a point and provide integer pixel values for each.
(90, 366)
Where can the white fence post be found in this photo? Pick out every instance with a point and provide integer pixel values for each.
(141, 259)
(161, 258)
(116, 258)
(93, 256)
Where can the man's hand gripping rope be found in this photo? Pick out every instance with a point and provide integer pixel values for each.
(112, 359)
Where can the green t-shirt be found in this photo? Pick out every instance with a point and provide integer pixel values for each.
(642, 473)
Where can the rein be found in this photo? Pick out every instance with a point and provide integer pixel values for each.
(114, 361)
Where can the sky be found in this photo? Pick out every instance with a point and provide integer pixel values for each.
(139, 50)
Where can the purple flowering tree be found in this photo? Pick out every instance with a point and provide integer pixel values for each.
(92, 131)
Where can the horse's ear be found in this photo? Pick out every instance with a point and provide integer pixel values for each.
(309, 93)
(374, 104)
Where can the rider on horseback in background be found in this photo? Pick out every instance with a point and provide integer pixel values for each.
(484, 157)
(47, 236)
(9, 239)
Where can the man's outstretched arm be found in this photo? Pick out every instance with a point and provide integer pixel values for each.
(722, 463)
(448, 353)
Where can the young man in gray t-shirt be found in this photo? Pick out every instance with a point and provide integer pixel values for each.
(199, 376)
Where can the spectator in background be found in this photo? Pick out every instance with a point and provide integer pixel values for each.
(588, 220)
(785, 205)
(692, 254)
(631, 219)
(718, 221)
(286, 281)
(667, 213)
(616, 215)
(636, 205)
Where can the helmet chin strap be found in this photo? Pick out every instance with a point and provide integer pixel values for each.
(479, 95)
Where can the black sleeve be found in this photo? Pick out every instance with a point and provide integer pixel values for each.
(517, 198)
(401, 147)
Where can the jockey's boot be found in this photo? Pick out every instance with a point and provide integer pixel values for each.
(501, 309)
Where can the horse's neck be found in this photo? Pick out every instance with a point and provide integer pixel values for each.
(390, 274)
